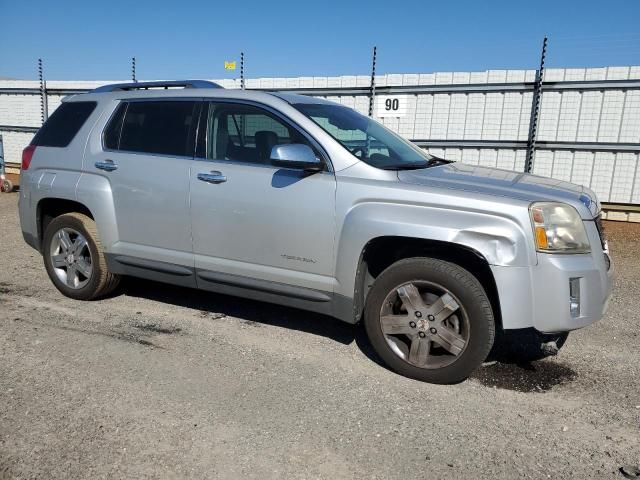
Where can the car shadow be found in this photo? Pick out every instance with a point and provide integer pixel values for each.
(537, 377)
(534, 377)
(250, 311)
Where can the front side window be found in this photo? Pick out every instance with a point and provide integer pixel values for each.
(365, 138)
(246, 133)
(157, 127)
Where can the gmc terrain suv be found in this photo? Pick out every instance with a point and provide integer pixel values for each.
(303, 202)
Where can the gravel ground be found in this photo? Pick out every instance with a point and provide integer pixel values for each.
(164, 382)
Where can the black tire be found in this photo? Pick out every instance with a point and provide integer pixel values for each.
(468, 293)
(526, 345)
(101, 282)
(7, 186)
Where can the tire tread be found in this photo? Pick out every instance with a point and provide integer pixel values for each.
(454, 273)
(107, 281)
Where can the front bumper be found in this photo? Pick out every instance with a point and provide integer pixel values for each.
(539, 296)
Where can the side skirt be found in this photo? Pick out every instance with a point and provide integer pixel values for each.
(326, 303)
(152, 270)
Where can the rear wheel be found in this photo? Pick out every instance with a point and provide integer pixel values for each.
(430, 320)
(74, 258)
(7, 186)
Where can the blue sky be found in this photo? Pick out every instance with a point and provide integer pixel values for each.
(95, 40)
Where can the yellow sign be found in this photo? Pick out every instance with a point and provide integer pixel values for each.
(230, 65)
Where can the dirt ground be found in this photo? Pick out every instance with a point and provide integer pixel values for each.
(164, 382)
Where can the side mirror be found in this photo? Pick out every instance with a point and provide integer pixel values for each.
(296, 156)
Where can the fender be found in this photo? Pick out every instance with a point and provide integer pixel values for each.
(94, 192)
(40, 185)
(498, 238)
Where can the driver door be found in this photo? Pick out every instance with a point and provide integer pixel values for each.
(260, 226)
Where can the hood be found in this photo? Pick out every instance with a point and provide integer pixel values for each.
(504, 183)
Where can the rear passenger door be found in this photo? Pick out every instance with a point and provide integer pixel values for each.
(147, 149)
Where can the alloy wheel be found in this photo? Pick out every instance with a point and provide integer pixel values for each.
(424, 324)
(71, 258)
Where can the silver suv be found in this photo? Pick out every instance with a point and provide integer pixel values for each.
(300, 201)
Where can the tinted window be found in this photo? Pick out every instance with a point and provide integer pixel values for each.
(162, 127)
(246, 133)
(111, 135)
(63, 124)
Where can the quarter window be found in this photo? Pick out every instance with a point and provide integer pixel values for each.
(157, 127)
(112, 132)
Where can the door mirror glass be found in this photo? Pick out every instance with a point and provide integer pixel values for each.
(297, 156)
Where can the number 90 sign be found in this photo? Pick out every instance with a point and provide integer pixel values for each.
(391, 105)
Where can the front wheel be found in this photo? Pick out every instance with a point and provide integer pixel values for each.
(430, 320)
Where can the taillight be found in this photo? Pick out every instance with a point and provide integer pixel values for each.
(27, 155)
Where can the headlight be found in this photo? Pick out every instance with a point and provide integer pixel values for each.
(558, 228)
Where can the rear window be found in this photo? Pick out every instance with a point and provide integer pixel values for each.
(64, 124)
(162, 127)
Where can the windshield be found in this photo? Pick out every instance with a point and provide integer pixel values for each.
(365, 138)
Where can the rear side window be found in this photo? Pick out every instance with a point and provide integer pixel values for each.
(158, 127)
(63, 124)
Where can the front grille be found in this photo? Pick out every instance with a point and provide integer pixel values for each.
(600, 227)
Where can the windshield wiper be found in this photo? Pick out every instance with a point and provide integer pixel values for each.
(435, 161)
(406, 166)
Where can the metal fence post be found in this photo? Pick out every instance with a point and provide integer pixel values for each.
(372, 91)
(44, 104)
(535, 111)
(242, 70)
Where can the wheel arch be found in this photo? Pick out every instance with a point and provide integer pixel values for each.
(49, 208)
(381, 252)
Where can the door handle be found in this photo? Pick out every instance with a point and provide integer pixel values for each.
(107, 166)
(213, 177)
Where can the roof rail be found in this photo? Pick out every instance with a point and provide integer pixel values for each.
(146, 85)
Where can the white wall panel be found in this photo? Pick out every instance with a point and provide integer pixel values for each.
(549, 116)
(543, 164)
(562, 165)
(511, 110)
(609, 116)
(623, 177)
(457, 116)
(630, 127)
(440, 116)
(589, 119)
(475, 116)
(424, 114)
(582, 168)
(569, 115)
(506, 159)
(13, 143)
(602, 176)
(488, 158)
